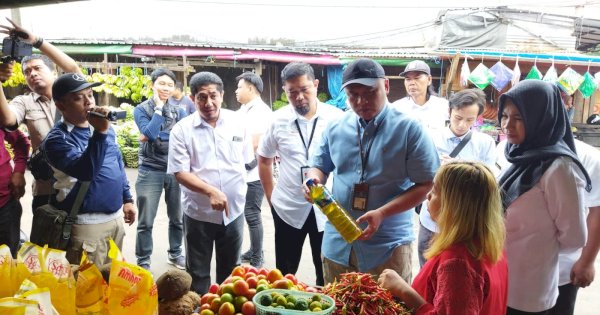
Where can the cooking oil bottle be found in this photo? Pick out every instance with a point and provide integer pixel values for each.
(338, 217)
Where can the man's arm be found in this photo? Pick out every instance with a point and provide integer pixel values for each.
(21, 145)
(66, 63)
(218, 200)
(265, 172)
(148, 126)
(7, 117)
(583, 271)
(407, 200)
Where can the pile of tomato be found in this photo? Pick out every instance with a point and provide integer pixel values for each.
(234, 295)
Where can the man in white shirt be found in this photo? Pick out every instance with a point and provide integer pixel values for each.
(257, 116)
(421, 101)
(465, 106)
(294, 135)
(207, 154)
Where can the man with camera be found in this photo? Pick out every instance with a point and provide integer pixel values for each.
(36, 109)
(83, 148)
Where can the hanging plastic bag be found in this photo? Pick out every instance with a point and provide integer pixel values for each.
(13, 306)
(588, 86)
(132, 288)
(8, 273)
(516, 73)
(570, 80)
(551, 75)
(92, 290)
(481, 77)
(465, 72)
(502, 75)
(62, 283)
(42, 297)
(534, 74)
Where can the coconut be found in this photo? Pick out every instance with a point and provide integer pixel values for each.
(173, 284)
(184, 305)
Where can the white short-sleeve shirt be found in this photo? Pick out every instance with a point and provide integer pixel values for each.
(432, 115)
(590, 158)
(216, 156)
(282, 139)
(481, 148)
(257, 116)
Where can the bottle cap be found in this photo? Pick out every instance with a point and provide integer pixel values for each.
(310, 182)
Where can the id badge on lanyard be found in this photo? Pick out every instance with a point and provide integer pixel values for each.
(360, 196)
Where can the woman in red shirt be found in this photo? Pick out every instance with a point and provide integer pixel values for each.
(466, 272)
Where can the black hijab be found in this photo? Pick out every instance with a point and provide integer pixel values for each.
(547, 137)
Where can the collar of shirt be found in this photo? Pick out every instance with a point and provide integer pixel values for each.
(39, 97)
(450, 136)
(248, 106)
(70, 126)
(377, 120)
(200, 122)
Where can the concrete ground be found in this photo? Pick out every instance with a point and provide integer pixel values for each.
(588, 300)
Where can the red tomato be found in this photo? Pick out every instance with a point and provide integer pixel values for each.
(238, 271)
(215, 304)
(226, 308)
(214, 288)
(240, 288)
(252, 269)
(251, 294)
(252, 282)
(263, 271)
(205, 306)
(292, 277)
(249, 308)
(311, 290)
(274, 275)
(249, 274)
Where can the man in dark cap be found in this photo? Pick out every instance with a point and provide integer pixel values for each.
(82, 148)
(383, 165)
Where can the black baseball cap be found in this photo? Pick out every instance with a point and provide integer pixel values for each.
(363, 71)
(69, 83)
(416, 66)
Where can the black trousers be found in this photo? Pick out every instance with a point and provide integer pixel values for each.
(289, 242)
(565, 303)
(10, 225)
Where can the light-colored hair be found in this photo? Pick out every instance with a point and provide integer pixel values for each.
(470, 211)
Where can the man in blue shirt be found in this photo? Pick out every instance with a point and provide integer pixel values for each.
(155, 118)
(82, 147)
(383, 164)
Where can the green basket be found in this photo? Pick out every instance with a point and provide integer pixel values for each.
(268, 310)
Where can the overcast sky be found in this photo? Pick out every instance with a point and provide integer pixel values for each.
(383, 21)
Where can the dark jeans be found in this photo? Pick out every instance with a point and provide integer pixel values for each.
(512, 311)
(149, 187)
(565, 304)
(424, 238)
(254, 197)
(200, 237)
(289, 242)
(10, 225)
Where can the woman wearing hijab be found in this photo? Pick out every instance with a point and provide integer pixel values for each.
(542, 193)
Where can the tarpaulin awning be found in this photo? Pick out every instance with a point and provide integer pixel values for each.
(284, 57)
(180, 51)
(94, 49)
(393, 62)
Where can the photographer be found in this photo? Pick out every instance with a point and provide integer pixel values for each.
(36, 109)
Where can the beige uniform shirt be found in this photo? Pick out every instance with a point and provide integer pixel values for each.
(37, 112)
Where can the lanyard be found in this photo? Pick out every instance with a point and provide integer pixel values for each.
(312, 133)
(364, 156)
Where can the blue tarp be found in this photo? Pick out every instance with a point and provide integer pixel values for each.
(334, 83)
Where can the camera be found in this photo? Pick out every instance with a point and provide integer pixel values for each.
(113, 115)
(15, 49)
